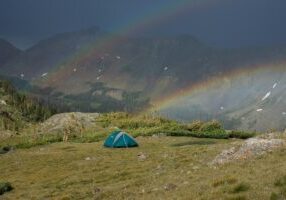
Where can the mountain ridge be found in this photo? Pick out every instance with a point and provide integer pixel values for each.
(7, 52)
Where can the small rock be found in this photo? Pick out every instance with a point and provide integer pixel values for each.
(186, 182)
(165, 155)
(2, 102)
(159, 135)
(170, 186)
(141, 156)
(272, 135)
(96, 193)
(96, 190)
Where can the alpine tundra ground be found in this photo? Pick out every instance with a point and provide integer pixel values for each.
(161, 168)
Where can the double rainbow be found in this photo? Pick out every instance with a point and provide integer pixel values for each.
(204, 86)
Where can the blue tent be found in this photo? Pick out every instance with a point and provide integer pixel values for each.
(119, 139)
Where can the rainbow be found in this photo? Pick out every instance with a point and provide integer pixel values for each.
(201, 86)
(143, 22)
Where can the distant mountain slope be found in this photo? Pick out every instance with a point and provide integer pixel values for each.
(249, 101)
(71, 62)
(7, 52)
(92, 70)
(49, 54)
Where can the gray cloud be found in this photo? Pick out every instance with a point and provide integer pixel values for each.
(226, 23)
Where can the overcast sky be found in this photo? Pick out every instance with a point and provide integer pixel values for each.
(226, 23)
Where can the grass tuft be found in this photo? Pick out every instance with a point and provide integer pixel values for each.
(242, 187)
(281, 182)
(226, 181)
(238, 198)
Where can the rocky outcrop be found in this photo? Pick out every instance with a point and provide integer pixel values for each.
(252, 147)
(73, 120)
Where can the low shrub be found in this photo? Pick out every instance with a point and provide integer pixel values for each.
(275, 196)
(281, 184)
(5, 149)
(241, 134)
(195, 125)
(279, 196)
(217, 134)
(211, 126)
(5, 187)
(147, 125)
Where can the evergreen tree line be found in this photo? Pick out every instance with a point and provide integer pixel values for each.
(20, 108)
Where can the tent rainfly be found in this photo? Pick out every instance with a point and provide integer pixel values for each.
(120, 139)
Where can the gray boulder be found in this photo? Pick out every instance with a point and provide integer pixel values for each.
(252, 147)
(74, 120)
